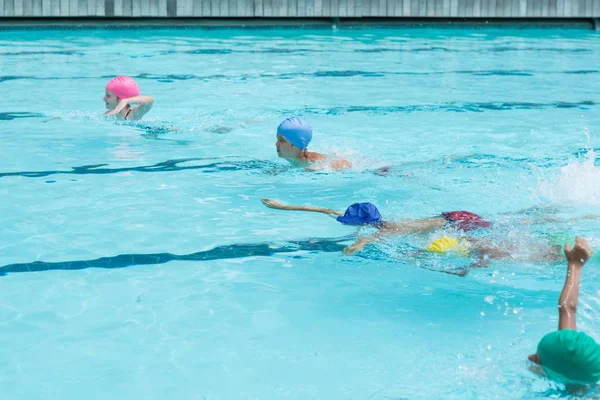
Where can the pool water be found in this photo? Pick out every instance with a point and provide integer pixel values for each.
(137, 260)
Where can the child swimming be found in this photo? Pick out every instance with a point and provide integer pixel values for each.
(121, 93)
(567, 355)
(293, 137)
(368, 214)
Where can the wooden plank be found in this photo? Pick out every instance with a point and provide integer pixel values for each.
(560, 8)
(430, 8)
(573, 11)
(162, 8)
(136, 8)
(511, 8)
(232, 5)
(492, 8)
(144, 8)
(359, 8)
(282, 8)
(485, 8)
(500, 8)
(342, 8)
(267, 8)
(327, 8)
(258, 10)
(461, 8)
(91, 7)
(351, 8)
(36, 10)
(109, 8)
(87, 6)
(445, 9)
(73, 7)
(333, 8)
(545, 9)
(185, 8)
(436, 8)
(396, 7)
(453, 8)
(310, 8)
(237, 7)
(27, 7)
(414, 8)
(127, 8)
(18, 8)
(153, 8)
(406, 4)
(118, 8)
(204, 9)
(224, 8)
(552, 8)
(211, 7)
(587, 11)
(318, 8)
(54, 8)
(197, 8)
(9, 8)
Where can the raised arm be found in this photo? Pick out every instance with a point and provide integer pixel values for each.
(144, 104)
(567, 303)
(278, 206)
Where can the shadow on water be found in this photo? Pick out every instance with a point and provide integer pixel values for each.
(216, 253)
(165, 166)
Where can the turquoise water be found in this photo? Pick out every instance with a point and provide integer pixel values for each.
(137, 261)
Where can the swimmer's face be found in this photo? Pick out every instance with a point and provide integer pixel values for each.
(285, 149)
(110, 100)
(535, 358)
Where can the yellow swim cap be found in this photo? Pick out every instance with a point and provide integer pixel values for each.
(446, 244)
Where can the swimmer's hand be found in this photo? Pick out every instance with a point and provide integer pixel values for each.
(144, 105)
(273, 204)
(580, 253)
(118, 108)
(353, 249)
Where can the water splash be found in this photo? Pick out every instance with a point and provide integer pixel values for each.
(577, 184)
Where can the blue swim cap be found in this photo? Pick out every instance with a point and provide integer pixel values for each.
(297, 131)
(359, 214)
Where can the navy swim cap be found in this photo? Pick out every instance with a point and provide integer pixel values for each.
(359, 214)
(297, 131)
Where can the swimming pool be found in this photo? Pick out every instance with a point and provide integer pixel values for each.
(139, 262)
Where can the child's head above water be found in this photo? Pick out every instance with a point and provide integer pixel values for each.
(119, 88)
(293, 136)
(361, 214)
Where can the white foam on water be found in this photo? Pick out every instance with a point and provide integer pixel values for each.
(577, 183)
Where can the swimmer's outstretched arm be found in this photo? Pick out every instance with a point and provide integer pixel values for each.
(360, 244)
(337, 165)
(144, 105)
(278, 206)
(397, 228)
(567, 302)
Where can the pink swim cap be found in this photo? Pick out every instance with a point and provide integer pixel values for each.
(123, 87)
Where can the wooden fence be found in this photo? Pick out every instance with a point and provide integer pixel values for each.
(302, 8)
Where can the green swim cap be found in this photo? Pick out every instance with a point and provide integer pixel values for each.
(568, 355)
